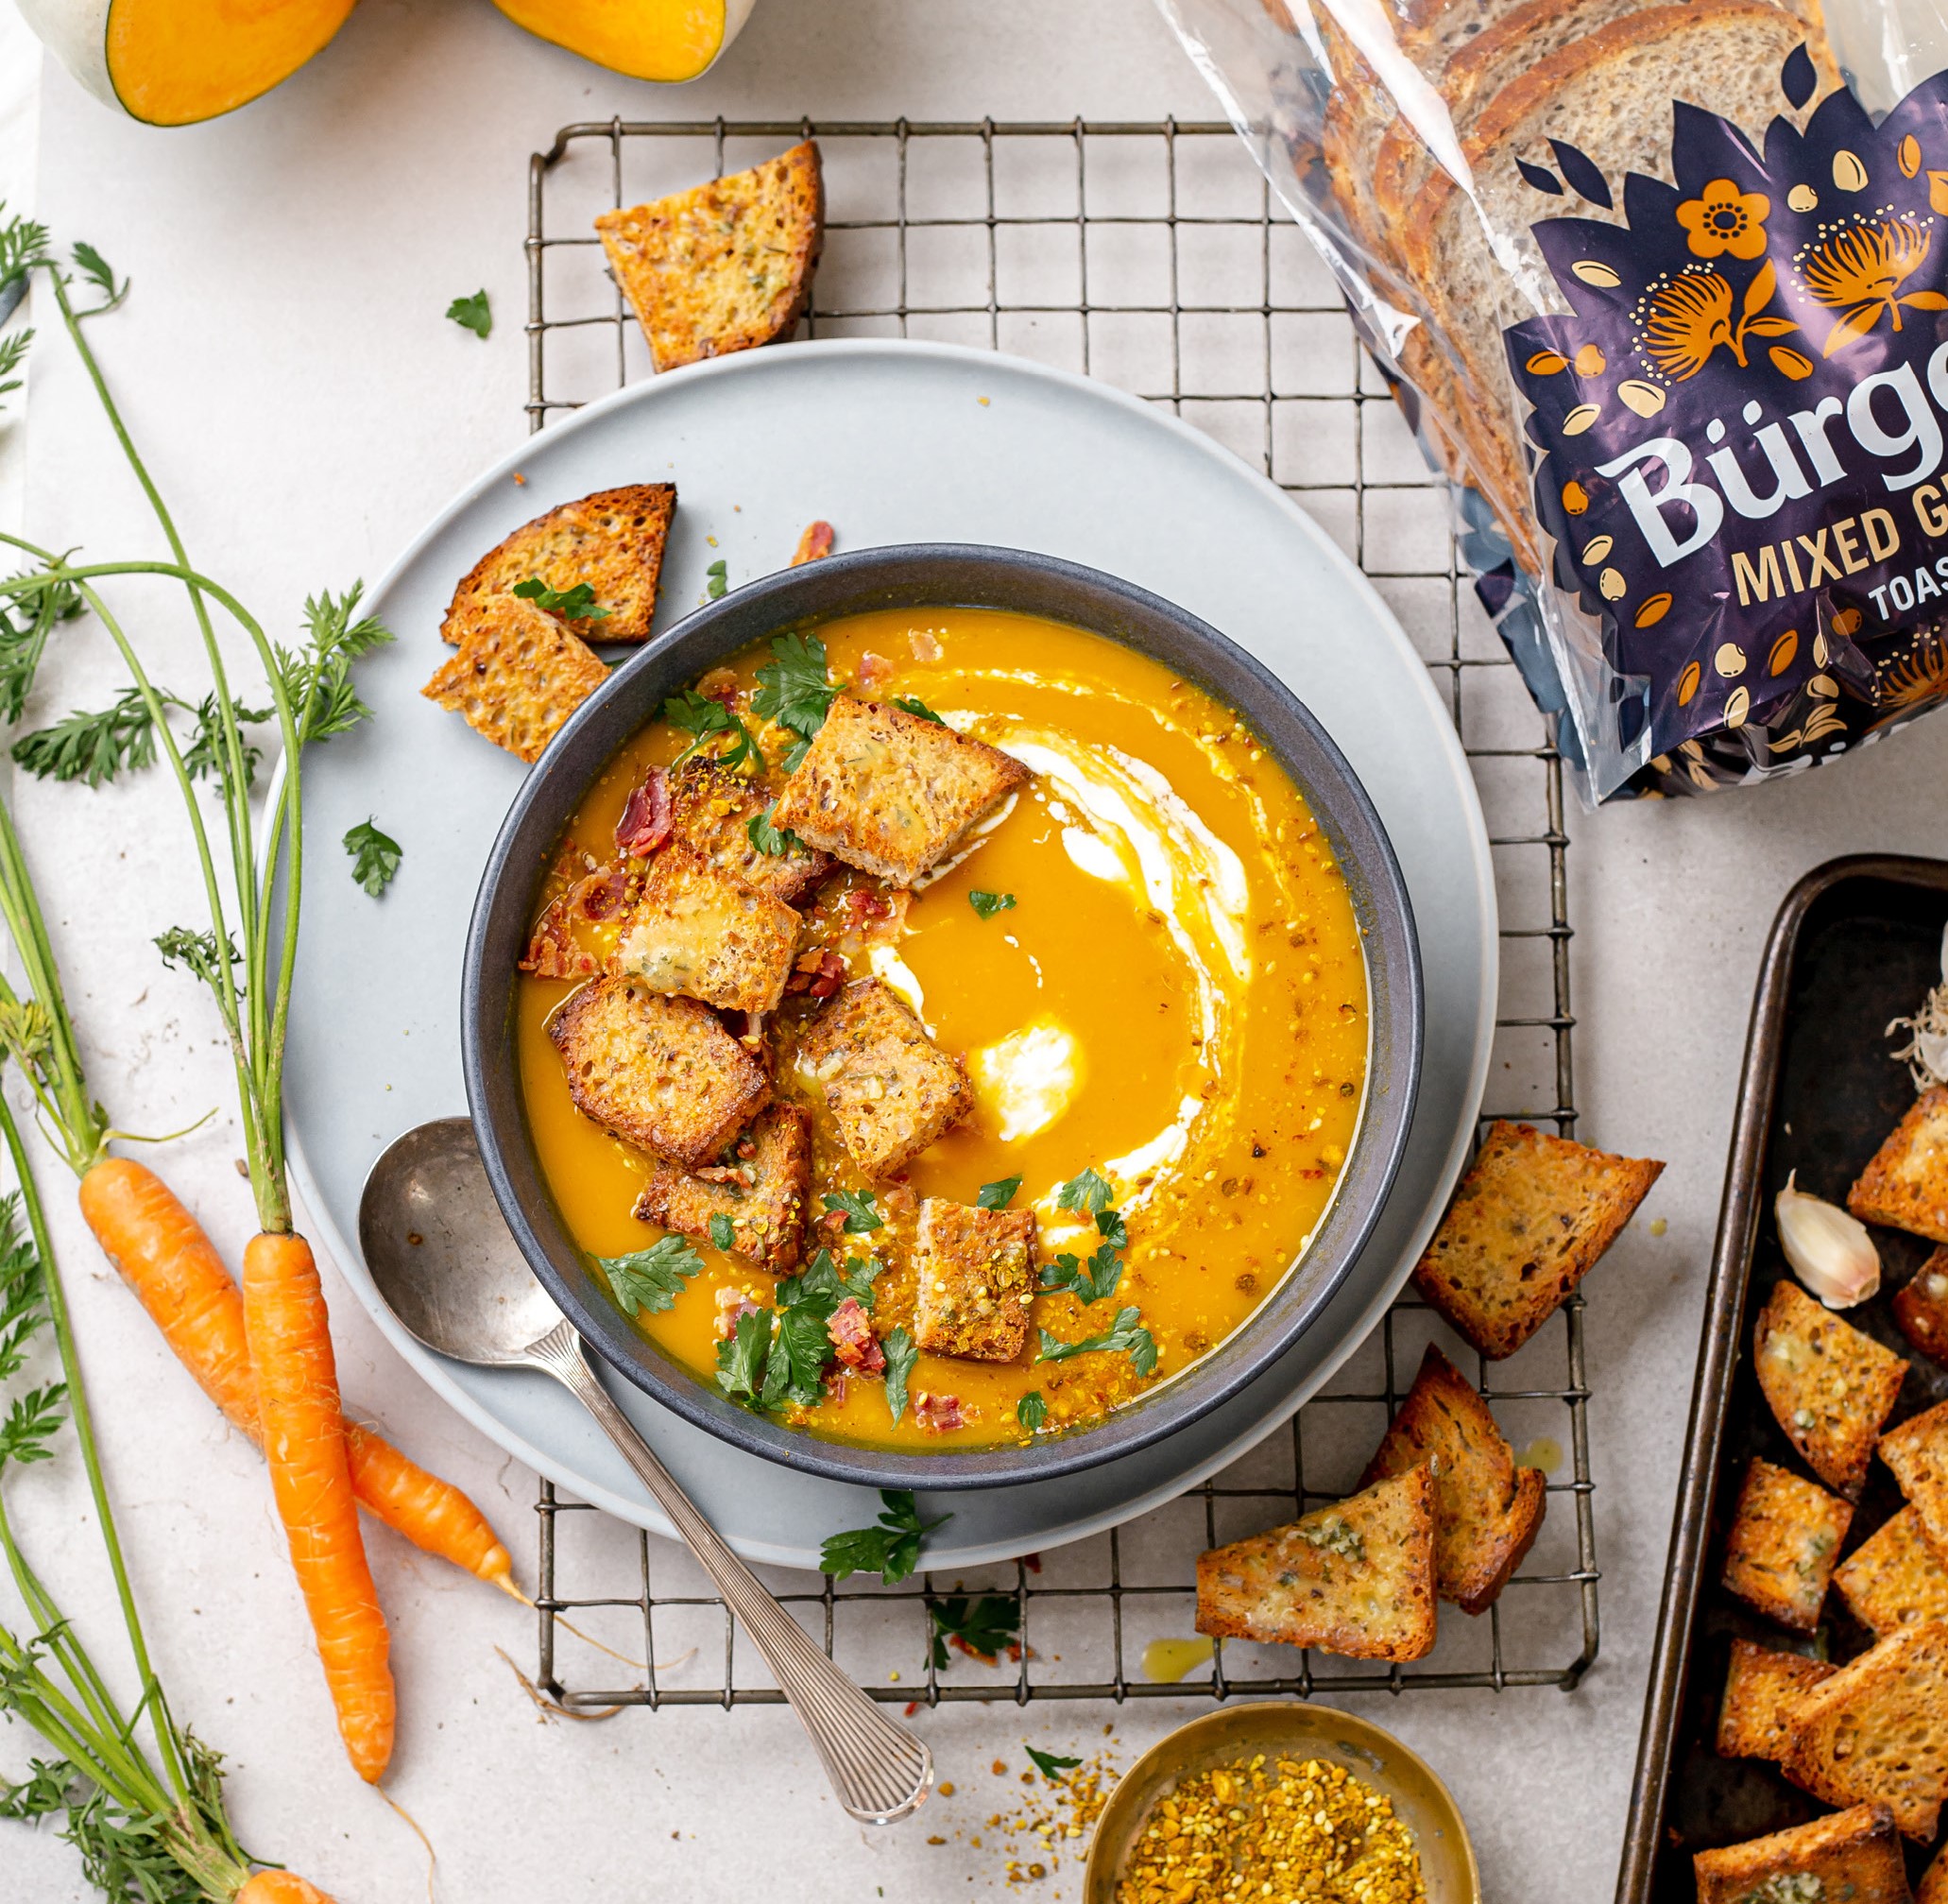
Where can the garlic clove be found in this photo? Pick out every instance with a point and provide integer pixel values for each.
(1829, 1251)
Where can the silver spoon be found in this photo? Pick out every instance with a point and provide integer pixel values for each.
(440, 1253)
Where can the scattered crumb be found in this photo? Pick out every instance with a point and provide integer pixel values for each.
(1658, 1225)
(521, 479)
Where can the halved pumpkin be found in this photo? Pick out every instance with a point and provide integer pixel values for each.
(666, 40)
(173, 63)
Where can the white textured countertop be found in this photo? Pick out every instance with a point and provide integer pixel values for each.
(285, 358)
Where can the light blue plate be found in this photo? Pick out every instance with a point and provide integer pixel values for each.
(891, 442)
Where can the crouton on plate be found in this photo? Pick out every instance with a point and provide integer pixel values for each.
(892, 792)
(1905, 1186)
(1894, 1577)
(696, 931)
(612, 541)
(1529, 1221)
(1357, 1579)
(1785, 1536)
(711, 811)
(975, 1272)
(1921, 1307)
(661, 1071)
(1830, 1386)
(518, 676)
(1877, 1731)
(1917, 1454)
(890, 1091)
(724, 267)
(1853, 1854)
(759, 1189)
(1487, 1511)
(1763, 1690)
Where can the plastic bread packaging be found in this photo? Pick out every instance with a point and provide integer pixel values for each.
(1662, 289)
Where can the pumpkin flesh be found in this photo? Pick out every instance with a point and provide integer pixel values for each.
(663, 40)
(174, 63)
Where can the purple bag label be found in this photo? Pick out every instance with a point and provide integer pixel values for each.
(1744, 423)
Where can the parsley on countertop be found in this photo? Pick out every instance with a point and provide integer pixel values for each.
(375, 857)
(891, 1550)
(472, 313)
(981, 1628)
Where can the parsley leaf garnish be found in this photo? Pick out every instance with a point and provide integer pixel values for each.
(1050, 1763)
(987, 904)
(823, 1279)
(701, 718)
(1089, 1192)
(795, 1370)
(793, 688)
(375, 857)
(1110, 1226)
(1126, 1334)
(997, 1196)
(1092, 1283)
(769, 839)
(651, 1279)
(741, 1357)
(891, 1550)
(860, 1216)
(912, 704)
(902, 1353)
(717, 579)
(577, 604)
(1032, 1411)
(981, 1628)
(723, 1231)
(472, 313)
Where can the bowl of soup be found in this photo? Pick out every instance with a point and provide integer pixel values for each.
(941, 1017)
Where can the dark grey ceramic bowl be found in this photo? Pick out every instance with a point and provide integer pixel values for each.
(926, 576)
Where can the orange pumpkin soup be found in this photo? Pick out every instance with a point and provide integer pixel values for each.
(1144, 959)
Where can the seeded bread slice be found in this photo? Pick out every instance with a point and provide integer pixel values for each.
(1854, 1855)
(1894, 1577)
(1917, 1454)
(613, 540)
(1877, 1731)
(975, 1271)
(1487, 1511)
(1763, 1690)
(1784, 1539)
(1830, 1386)
(1905, 1186)
(1921, 1307)
(694, 930)
(711, 811)
(1357, 1579)
(759, 1189)
(518, 676)
(725, 266)
(1529, 1221)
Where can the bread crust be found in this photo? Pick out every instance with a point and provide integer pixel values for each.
(1894, 1577)
(1763, 1690)
(1921, 1307)
(1853, 1854)
(1917, 1454)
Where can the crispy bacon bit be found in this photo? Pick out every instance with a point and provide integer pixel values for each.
(852, 1336)
(814, 545)
(553, 951)
(731, 1305)
(925, 644)
(645, 822)
(819, 974)
(726, 1173)
(866, 904)
(937, 1414)
(835, 1386)
(875, 671)
(601, 894)
(720, 684)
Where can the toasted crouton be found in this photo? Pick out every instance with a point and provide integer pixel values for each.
(975, 1270)
(890, 792)
(1763, 1689)
(1785, 1539)
(696, 931)
(1486, 1510)
(1894, 1577)
(1917, 1454)
(1830, 1386)
(1854, 1854)
(1921, 1307)
(1527, 1225)
(1933, 1888)
(613, 540)
(1357, 1579)
(760, 1191)
(890, 1091)
(661, 1071)
(1905, 1186)
(711, 813)
(1877, 1731)
(724, 267)
(517, 676)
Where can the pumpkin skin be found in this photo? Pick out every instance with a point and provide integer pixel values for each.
(669, 41)
(177, 63)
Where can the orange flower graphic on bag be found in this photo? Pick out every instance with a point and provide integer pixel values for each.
(1697, 311)
(1723, 221)
(1859, 273)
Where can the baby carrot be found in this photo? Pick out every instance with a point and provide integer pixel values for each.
(304, 1444)
(280, 1887)
(431, 1512)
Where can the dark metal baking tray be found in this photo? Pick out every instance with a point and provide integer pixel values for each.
(1857, 942)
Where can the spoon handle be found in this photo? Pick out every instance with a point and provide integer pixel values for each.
(880, 1772)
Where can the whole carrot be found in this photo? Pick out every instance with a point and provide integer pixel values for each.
(280, 1887)
(304, 1444)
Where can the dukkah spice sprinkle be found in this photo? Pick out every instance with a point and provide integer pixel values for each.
(1293, 1830)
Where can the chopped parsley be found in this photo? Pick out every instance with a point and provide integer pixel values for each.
(860, 1216)
(794, 690)
(902, 1353)
(723, 1231)
(472, 313)
(374, 857)
(997, 1196)
(987, 904)
(824, 1278)
(1049, 1764)
(1126, 1334)
(1089, 1191)
(891, 1550)
(794, 1369)
(577, 604)
(1110, 1226)
(1032, 1411)
(1334, 1535)
(981, 1628)
(769, 839)
(717, 579)
(651, 1279)
(912, 704)
(741, 1357)
(701, 718)
(1091, 1282)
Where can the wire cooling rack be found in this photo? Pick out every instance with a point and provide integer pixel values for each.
(1150, 255)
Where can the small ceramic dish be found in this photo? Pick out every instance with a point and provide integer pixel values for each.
(1293, 1729)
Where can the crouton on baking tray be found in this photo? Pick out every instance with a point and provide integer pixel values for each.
(1784, 1539)
(1853, 1854)
(1763, 1690)
(1905, 1184)
(1894, 1577)
(1830, 1386)
(1917, 1454)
